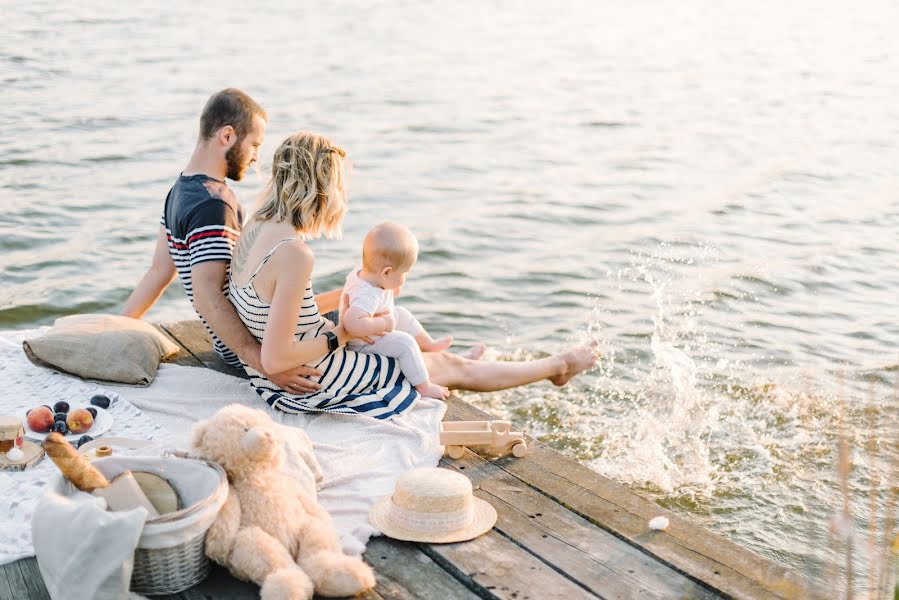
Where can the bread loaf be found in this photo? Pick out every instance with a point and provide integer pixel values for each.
(75, 467)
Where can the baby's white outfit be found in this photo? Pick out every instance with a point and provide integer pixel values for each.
(399, 343)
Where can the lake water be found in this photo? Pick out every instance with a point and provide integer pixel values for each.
(708, 189)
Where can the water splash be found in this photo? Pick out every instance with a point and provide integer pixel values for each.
(664, 441)
(688, 407)
(688, 418)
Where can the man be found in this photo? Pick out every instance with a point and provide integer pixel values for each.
(200, 225)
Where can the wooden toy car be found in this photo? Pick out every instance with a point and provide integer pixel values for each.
(498, 434)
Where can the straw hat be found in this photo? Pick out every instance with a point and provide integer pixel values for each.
(432, 505)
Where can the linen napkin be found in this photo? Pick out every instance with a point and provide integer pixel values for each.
(83, 551)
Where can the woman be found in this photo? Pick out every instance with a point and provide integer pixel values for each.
(271, 288)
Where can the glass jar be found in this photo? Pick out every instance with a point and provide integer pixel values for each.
(11, 434)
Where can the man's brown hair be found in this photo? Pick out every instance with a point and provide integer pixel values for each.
(229, 107)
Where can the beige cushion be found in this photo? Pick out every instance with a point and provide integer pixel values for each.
(104, 347)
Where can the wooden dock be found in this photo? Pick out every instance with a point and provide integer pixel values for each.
(563, 531)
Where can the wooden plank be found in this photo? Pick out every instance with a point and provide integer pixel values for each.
(599, 561)
(219, 584)
(9, 586)
(704, 556)
(34, 582)
(6, 590)
(183, 358)
(404, 572)
(193, 337)
(494, 566)
(22, 580)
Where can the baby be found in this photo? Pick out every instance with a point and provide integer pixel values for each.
(388, 254)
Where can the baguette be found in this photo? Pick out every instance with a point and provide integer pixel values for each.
(75, 467)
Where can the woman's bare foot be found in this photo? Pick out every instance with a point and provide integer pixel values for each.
(438, 345)
(432, 390)
(475, 352)
(575, 361)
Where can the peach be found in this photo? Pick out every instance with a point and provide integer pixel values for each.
(40, 419)
(79, 420)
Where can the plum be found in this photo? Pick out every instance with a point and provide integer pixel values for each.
(61, 427)
(61, 407)
(100, 400)
(60, 416)
(83, 440)
(92, 410)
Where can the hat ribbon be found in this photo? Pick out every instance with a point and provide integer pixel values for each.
(430, 521)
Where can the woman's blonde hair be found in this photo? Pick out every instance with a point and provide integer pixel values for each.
(307, 186)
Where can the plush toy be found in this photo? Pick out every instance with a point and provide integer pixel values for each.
(271, 530)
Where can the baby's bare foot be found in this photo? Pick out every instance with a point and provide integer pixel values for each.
(576, 361)
(432, 390)
(439, 345)
(475, 352)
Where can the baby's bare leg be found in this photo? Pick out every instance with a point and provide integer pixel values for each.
(429, 344)
(405, 321)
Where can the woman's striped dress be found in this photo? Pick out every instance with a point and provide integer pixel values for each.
(352, 383)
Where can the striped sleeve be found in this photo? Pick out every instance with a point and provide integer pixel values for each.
(213, 230)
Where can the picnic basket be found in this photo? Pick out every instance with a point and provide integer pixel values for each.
(170, 555)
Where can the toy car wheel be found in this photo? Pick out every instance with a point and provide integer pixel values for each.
(455, 451)
(519, 450)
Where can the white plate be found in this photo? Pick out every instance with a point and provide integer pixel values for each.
(101, 425)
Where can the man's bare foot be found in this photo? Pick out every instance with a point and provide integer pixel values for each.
(575, 361)
(438, 345)
(475, 352)
(432, 390)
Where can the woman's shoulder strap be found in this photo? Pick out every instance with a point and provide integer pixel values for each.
(269, 255)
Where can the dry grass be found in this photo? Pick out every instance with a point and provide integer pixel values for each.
(875, 549)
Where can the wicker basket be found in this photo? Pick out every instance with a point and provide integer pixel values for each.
(170, 570)
(170, 556)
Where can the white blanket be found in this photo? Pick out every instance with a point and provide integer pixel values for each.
(361, 457)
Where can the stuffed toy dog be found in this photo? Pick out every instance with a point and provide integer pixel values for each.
(271, 530)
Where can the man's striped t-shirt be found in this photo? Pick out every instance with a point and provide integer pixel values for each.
(202, 221)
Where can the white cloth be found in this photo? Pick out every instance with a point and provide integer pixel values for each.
(83, 551)
(360, 456)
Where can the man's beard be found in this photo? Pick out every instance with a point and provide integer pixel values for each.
(237, 163)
